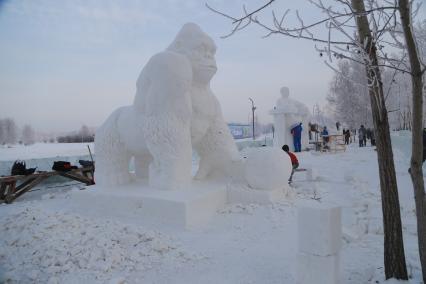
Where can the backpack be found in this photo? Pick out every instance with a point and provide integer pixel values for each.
(85, 163)
(62, 166)
(20, 168)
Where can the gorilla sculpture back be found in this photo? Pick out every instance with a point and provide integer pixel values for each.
(174, 112)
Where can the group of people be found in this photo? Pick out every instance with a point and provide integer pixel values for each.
(364, 134)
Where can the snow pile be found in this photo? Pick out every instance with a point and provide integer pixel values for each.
(54, 248)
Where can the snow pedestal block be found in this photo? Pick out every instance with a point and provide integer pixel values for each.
(138, 203)
(320, 229)
(314, 269)
(320, 234)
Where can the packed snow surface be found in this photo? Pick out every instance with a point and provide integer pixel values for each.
(43, 243)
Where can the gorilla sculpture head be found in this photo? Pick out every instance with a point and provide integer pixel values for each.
(200, 49)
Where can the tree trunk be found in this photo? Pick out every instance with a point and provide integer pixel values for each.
(416, 171)
(394, 256)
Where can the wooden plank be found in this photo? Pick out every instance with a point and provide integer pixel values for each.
(28, 180)
(77, 177)
(10, 191)
(30, 185)
(3, 190)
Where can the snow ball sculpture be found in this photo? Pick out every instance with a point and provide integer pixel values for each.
(174, 112)
(267, 168)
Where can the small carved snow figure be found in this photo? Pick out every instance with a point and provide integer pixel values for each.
(174, 112)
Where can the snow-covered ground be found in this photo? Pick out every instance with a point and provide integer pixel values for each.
(40, 243)
(43, 150)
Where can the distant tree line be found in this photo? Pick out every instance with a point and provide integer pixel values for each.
(82, 136)
(10, 133)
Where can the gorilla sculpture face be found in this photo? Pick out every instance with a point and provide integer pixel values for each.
(200, 50)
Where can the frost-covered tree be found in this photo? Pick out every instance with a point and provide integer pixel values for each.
(8, 131)
(28, 135)
(85, 134)
(2, 132)
(348, 95)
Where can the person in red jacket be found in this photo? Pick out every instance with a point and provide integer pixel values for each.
(294, 161)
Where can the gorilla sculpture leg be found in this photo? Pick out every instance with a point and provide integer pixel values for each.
(112, 157)
(142, 163)
(168, 139)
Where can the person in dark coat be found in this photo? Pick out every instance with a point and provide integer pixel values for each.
(362, 136)
(347, 135)
(373, 138)
(297, 137)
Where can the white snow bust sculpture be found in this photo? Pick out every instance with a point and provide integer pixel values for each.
(174, 111)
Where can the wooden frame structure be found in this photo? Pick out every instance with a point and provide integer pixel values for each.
(11, 187)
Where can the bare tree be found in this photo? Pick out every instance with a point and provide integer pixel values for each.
(416, 170)
(368, 39)
(9, 131)
(394, 248)
(28, 135)
(2, 132)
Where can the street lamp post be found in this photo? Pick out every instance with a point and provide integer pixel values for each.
(253, 108)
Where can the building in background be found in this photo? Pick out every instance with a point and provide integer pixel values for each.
(239, 130)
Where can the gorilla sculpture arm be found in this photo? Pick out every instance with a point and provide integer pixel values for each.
(217, 150)
(164, 100)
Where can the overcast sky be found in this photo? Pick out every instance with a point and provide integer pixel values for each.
(68, 63)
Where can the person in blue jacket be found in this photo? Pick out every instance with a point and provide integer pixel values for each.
(297, 137)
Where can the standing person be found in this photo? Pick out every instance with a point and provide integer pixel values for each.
(297, 137)
(365, 138)
(347, 136)
(294, 161)
(325, 138)
(362, 136)
(373, 138)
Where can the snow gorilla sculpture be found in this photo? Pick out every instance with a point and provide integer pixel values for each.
(174, 111)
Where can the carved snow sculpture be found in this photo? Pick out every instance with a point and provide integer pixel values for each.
(267, 168)
(287, 113)
(174, 112)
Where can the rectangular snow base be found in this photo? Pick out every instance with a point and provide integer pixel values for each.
(319, 229)
(249, 196)
(314, 269)
(142, 204)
